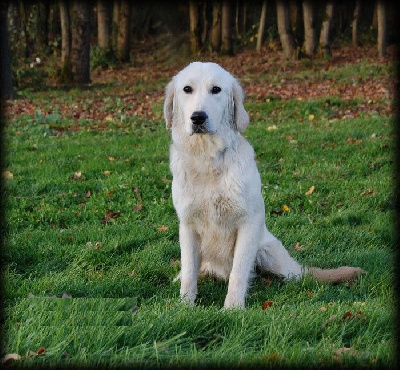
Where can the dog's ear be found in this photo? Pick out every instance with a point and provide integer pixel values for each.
(240, 116)
(169, 103)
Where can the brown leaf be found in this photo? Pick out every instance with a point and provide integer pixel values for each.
(88, 194)
(342, 350)
(368, 193)
(138, 207)
(111, 159)
(110, 215)
(267, 304)
(310, 191)
(162, 228)
(77, 175)
(298, 247)
(347, 315)
(41, 350)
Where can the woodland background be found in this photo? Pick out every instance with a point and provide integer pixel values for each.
(63, 42)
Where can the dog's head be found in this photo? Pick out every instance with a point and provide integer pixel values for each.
(204, 98)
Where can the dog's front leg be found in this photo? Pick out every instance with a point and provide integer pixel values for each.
(189, 243)
(243, 263)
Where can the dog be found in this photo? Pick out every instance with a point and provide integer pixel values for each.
(216, 189)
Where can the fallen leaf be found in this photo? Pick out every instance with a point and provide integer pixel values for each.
(367, 193)
(342, 350)
(77, 175)
(88, 194)
(310, 191)
(106, 173)
(7, 175)
(353, 140)
(298, 247)
(323, 308)
(41, 350)
(347, 315)
(166, 181)
(110, 215)
(271, 128)
(162, 228)
(311, 117)
(138, 207)
(267, 304)
(111, 159)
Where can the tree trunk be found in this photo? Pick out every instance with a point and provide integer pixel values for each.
(205, 35)
(6, 82)
(310, 39)
(284, 30)
(103, 27)
(115, 24)
(216, 26)
(123, 40)
(195, 32)
(381, 17)
(65, 32)
(43, 25)
(325, 37)
(80, 47)
(226, 28)
(261, 28)
(356, 18)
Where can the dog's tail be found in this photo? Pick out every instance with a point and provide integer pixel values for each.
(273, 257)
(338, 275)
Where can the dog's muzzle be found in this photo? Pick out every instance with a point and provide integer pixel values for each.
(199, 119)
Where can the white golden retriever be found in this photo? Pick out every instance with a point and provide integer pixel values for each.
(216, 188)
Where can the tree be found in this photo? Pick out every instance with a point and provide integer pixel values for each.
(381, 17)
(284, 29)
(356, 18)
(115, 23)
(195, 30)
(216, 26)
(65, 35)
(325, 36)
(6, 82)
(226, 27)
(310, 39)
(261, 28)
(80, 47)
(123, 39)
(103, 25)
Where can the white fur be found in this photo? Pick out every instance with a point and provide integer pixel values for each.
(216, 187)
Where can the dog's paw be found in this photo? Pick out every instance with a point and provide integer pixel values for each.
(233, 302)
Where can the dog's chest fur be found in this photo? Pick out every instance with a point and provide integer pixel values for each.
(211, 208)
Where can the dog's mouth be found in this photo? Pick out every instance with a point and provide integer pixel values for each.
(199, 129)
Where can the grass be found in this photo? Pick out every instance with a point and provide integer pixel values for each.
(117, 267)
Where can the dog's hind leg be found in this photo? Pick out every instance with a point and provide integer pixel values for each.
(273, 257)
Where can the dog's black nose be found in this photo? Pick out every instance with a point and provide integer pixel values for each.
(198, 117)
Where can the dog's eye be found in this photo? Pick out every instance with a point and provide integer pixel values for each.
(187, 89)
(215, 90)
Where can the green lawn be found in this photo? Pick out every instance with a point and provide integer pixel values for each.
(89, 214)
